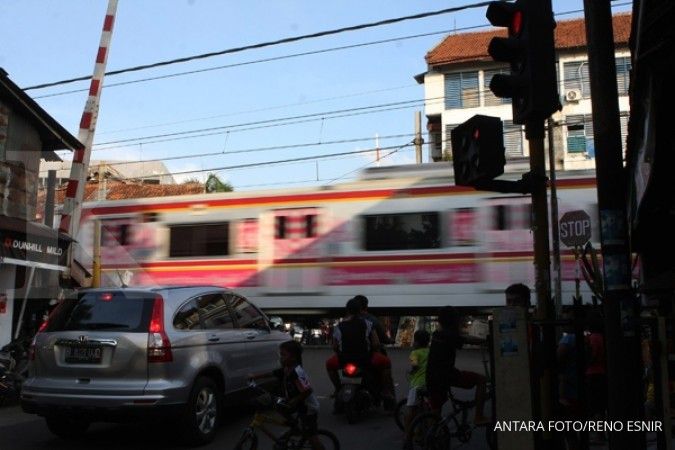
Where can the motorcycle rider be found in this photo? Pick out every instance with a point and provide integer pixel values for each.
(377, 325)
(355, 341)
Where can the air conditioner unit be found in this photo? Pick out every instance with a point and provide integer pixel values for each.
(573, 95)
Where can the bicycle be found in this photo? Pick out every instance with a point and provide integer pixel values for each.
(292, 439)
(432, 432)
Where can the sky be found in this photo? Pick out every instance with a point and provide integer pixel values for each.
(238, 107)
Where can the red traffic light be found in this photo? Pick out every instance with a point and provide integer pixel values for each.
(516, 25)
(503, 14)
(477, 150)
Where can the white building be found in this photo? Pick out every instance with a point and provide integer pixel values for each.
(150, 172)
(457, 80)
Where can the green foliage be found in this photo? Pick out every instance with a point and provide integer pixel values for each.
(214, 184)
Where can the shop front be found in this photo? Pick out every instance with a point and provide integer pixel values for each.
(31, 257)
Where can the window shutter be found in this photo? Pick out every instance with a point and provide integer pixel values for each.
(490, 98)
(577, 77)
(622, 75)
(576, 138)
(513, 139)
(452, 91)
(470, 95)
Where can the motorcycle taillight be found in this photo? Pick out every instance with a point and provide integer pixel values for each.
(350, 369)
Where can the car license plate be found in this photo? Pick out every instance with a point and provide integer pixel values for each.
(83, 354)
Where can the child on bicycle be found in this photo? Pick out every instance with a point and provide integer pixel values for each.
(298, 391)
(441, 372)
(417, 376)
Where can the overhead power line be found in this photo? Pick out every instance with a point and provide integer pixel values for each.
(291, 120)
(258, 61)
(271, 123)
(273, 162)
(269, 43)
(255, 150)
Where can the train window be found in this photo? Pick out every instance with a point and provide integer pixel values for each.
(124, 234)
(280, 227)
(204, 239)
(402, 231)
(247, 236)
(115, 232)
(500, 216)
(310, 225)
(463, 227)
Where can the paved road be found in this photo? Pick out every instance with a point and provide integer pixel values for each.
(375, 432)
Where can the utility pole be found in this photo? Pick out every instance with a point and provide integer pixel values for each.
(49, 201)
(621, 318)
(419, 141)
(555, 232)
(532, 85)
(96, 263)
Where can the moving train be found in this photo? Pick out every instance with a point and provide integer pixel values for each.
(404, 236)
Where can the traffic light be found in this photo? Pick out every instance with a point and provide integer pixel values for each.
(478, 150)
(529, 49)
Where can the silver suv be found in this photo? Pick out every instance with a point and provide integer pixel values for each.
(121, 354)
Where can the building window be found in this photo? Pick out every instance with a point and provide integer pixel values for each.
(576, 77)
(448, 138)
(513, 139)
(407, 231)
(580, 134)
(623, 74)
(211, 239)
(461, 90)
(624, 132)
(490, 98)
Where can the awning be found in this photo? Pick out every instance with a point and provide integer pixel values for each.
(32, 244)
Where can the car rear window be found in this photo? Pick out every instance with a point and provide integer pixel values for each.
(105, 311)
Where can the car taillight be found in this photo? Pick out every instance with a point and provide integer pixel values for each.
(350, 369)
(31, 348)
(43, 326)
(159, 346)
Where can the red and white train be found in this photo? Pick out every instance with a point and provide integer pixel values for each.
(405, 236)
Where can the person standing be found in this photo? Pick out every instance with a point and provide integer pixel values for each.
(441, 371)
(417, 378)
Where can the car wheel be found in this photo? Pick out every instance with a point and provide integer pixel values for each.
(66, 428)
(202, 413)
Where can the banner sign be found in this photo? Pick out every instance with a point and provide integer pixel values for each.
(36, 247)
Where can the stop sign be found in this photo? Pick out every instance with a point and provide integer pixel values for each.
(575, 228)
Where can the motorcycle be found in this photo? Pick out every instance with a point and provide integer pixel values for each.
(357, 393)
(13, 369)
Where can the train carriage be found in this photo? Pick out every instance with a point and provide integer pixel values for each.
(405, 236)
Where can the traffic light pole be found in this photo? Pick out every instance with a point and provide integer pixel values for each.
(621, 331)
(534, 131)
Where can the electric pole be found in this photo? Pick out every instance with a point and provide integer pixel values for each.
(621, 317)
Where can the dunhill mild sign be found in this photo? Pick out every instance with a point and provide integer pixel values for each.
(27, 246)
(17, 244)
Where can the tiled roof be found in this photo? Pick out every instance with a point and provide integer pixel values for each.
(468, 47)
(122, 191)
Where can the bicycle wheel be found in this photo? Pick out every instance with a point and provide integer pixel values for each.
(327, 439)
(421, 427)
(400, 412)
(247, 441)
(439, 437)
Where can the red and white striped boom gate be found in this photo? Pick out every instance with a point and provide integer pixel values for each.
(72, 204)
